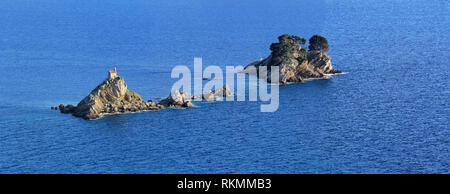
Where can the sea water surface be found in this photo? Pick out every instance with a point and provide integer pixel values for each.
(388, 114)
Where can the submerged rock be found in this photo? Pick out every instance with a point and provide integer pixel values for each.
(295, 63)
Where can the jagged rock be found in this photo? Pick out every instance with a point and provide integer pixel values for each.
(223, 92)
(108, 92)
(151, 104)
(187, 104)
(209, 96)
(212, 96)
(111, 96)
(176, 98)
(67, 109)
(295, 64)
(182, 99)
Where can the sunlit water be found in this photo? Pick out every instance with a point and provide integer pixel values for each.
(388, 114)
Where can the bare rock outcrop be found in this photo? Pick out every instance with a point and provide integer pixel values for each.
(110, 97)
(176, 98)
(183, 99)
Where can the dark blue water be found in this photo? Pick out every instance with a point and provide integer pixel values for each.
(388, 114)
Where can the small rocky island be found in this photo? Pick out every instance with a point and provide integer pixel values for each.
(294, 62)
(113, 97)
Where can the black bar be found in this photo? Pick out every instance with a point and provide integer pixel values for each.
(228, 182)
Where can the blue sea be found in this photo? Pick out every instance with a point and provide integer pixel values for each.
(389, 113)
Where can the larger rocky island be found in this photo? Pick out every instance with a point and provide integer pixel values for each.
(294, 62)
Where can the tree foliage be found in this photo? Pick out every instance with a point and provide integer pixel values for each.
(292, 46)
(318, 43)
(287, 46)
(300, 40)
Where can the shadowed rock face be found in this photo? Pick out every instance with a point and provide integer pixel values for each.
(111, 96)
(295, 64)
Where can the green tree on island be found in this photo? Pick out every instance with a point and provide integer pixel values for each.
(288, 46)
(300, 40)
(318, 43)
